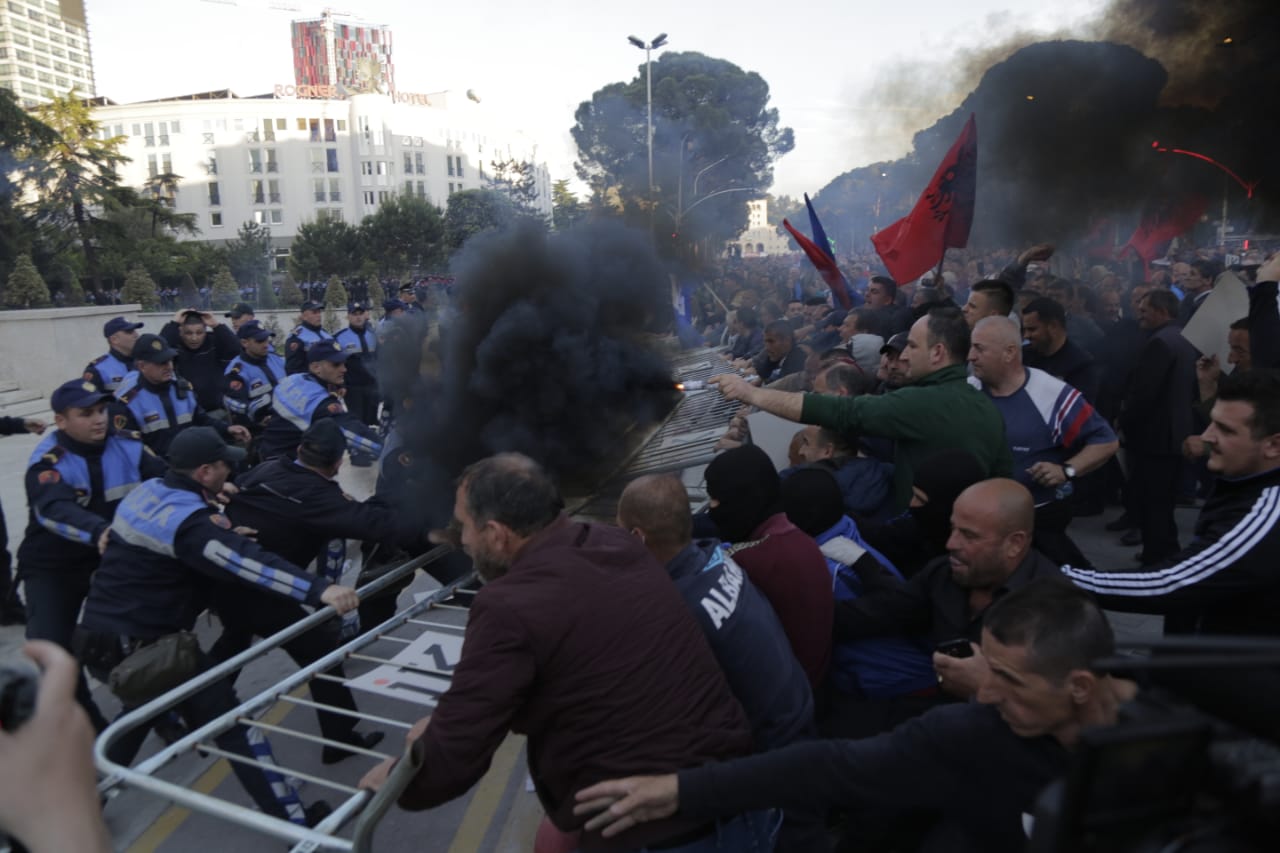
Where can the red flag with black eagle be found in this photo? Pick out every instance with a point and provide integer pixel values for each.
(942, 216)
(1161, 222)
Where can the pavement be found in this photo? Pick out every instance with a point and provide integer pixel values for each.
(500, 815)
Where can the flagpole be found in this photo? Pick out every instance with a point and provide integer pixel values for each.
(937, 274)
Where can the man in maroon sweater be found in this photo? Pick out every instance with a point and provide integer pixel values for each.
(579, 640)
(781, 560)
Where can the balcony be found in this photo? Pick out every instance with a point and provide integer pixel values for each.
(273, 166)
(335, 196)
(275, 197)
(206, 138)
(320, 197)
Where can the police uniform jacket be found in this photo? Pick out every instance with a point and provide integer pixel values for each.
(168, 540)
(108, 371)
(73, 490)
(298, 401)
(203, 367)
(296, 511)
(159, 412)
(297, 344)
(362, 346)
(247, 387)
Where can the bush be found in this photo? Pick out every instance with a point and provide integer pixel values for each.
(335, 304)
(140, 288)
(290, 295)
(225, 291)
(25, 288)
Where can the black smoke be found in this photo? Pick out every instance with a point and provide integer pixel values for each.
(549, 350)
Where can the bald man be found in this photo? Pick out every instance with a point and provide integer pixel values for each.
(989, 554)
(740, 625)
(1054, 433)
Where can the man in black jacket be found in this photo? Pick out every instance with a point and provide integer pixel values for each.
(202, 356)
(971, 771)
(1157, 414)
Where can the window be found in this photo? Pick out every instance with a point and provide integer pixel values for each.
(366, 167)
(152, 169)
(257, 192)
(137, 128)
(459, 163)
(272, 164)
(206, 138)
(384, 167)
(452, 188)
(282, 124)
(302, 124)
(149, 130)
(215, 197)
(314, 125)
(255, 160)
(342, 125)
(317, 159)
(419, 163)
(175, 127)
(329, 134)
(260, 217)
(422, 190)
(273, 191)
(237, 123)
(268, 132)
(166, 163)
(276, 216)
(317, 187)
(383, 195)
(331, 155)
(368, 197)
(449, 159)
(408, 163)
(408, 187)
(335, 189)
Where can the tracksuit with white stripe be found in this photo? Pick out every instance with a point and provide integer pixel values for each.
(1227, 581)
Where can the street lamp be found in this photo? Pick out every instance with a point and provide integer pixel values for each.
(658, 41)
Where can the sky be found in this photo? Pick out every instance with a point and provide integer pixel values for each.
(532, 64)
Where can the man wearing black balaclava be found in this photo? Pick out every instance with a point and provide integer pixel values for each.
(784, 563)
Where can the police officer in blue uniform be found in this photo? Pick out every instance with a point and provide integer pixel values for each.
(168, 541)
(361, 346)
(108, 371)
(304, 336)
(156, 402)
(75, 479)
(252, 376)
(12, 610)
(302, 398)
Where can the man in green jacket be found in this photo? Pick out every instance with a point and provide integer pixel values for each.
(936, 410)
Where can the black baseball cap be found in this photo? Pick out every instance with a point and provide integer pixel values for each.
(322, 443)
(312, 305)
(394, 305)
(154, 349)
(201, 445)
(76, 394)
(353, 307)
(239, 310)
(326, 351)
(897, 343)
(118, 324)
(253, 330)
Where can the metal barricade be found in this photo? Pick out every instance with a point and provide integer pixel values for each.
(367, 806)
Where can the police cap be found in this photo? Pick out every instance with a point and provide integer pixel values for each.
(312, 305)
(76, 394)
(201, 445)
(326, 351)
(118, 324)
(239, 310)
(253, 330)
(154, 349)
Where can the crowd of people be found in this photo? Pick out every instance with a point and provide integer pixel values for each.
(886, 642)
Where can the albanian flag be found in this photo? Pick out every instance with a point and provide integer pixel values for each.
(942, 216)
(820, 255)
(1163, 221)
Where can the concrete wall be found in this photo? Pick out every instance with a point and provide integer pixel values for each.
(44, 347)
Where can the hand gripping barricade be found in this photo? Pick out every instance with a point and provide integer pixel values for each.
(361, 805)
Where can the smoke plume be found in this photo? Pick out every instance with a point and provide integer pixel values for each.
(549, 354)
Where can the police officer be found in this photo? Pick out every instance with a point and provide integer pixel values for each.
(304, 336)
(252, 376)
(301, 513)
(240, 313)
(12, 611)
(158, 404)
(169, 539)
(108, 371)
(302, 398)
(361, 346)
(76, 478)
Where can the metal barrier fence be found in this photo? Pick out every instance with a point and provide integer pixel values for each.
(369, 807)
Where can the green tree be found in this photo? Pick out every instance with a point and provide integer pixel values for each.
(139, 287)
(715, 140)
(25, 288)
(72, 177)
(335, 304)
(404, 232)
(71, 288)
(290, 294)
(267, 295)
(518, 181)
(249, 255)
(224, 292)
(566, 209)
(323, 248)
(472, 212)
(188, 294)
(19, 132)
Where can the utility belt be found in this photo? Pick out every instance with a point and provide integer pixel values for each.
(139, 669)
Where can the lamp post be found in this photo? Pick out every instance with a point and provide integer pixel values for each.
(658, 41)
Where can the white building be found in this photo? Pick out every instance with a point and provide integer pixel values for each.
(283, 160)
(44, 49)
(760, 238)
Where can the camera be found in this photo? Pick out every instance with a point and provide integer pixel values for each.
(17, 697)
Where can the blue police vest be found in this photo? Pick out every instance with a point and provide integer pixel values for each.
(111, 369)
(148, 409)
(350, 341)
(121, 458)
(309, 337)
(297, 397)
(259, 380)
(150, 516)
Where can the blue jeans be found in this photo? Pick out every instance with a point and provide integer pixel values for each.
(751, 832)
